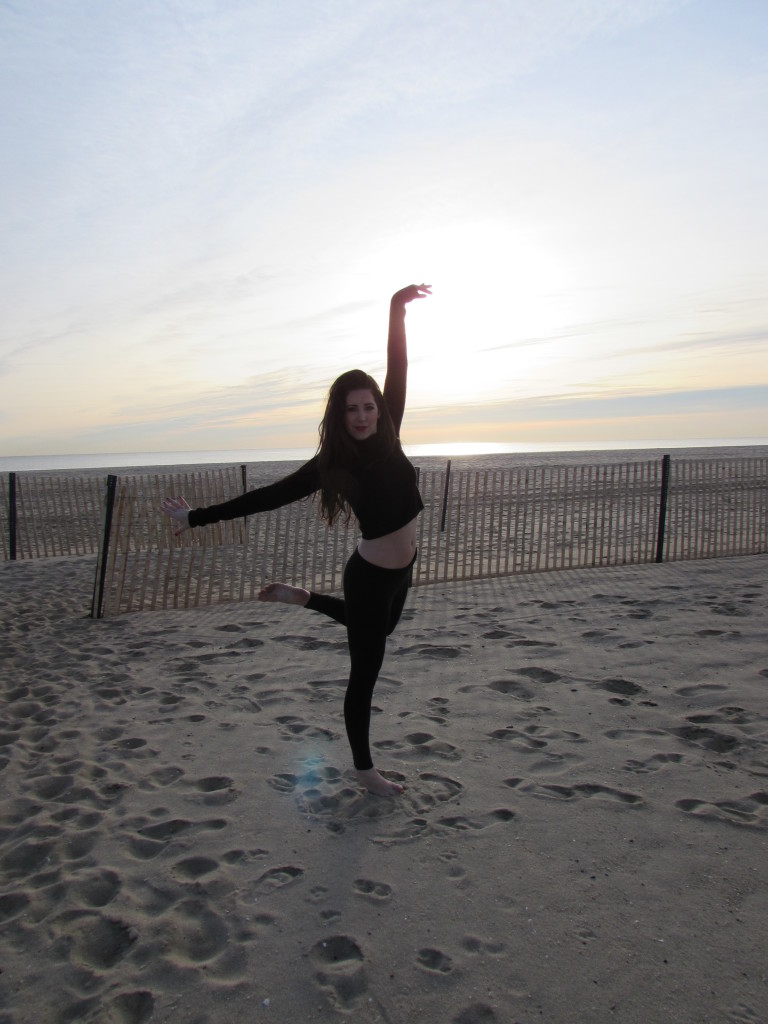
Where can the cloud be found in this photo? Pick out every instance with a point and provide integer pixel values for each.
(626, 403)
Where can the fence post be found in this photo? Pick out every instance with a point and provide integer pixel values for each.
(12, 517)
(97, 607)
(244, 475)
(663, 508)
(445, 496)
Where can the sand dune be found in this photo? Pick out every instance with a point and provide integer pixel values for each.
(583, 835)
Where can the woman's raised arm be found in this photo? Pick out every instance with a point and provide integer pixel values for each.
(397, 350)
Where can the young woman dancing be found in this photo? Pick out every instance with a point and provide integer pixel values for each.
(359, 468)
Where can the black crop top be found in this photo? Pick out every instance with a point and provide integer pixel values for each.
(381, 487)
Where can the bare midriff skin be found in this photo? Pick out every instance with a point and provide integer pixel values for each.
(393, 550)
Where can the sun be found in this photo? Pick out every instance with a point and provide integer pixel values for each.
(498, 302)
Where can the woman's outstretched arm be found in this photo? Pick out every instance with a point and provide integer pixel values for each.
(397, 350)
(303, 482)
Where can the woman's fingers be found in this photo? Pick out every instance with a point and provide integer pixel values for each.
(178, 510)
(411, 292)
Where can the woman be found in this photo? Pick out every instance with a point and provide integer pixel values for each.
(359, 468)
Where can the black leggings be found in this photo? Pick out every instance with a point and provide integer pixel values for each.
(371, 607)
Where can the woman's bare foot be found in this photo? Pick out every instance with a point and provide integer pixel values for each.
(283, 593)
(377, 784)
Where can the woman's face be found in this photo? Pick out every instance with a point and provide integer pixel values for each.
(361, 417)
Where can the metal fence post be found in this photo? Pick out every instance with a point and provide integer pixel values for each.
(445, 496)
(97, 607)
(12, 517)
(663, 508)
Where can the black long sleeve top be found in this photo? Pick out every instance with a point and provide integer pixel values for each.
(381, 486)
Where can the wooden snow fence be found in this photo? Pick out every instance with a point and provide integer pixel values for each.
(49, 516)
(226, 562)
(476, 524)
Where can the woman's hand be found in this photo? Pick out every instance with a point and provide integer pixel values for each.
(178, 510)
(413, 291)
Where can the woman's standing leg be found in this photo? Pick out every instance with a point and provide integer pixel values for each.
(373, 601)
(371, 608)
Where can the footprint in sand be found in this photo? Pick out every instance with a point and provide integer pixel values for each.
(700, 690)
(733, 715)
(415, 828)
(455, 871)
(511, 688)
(242, 857)
(191, 933)
(90, 940)
(730, 609)
(377, 891)
(536, 674)
(434, 961)
(149, 840)
(424, 744)
(431, 789)
(518, 740)
(111, 694)
(191, 868)
(311, 643)
(272, 695)
(278, 878)
(622, 687)
(584, 934)
(440, 710)
(216, 789)
(597, 634)
(294, 728)
(474, 945)
(475, 1013)
(652, 764)
(567, 793)
(433, 652)
(632, 734)
(96, 889)
(162, 777)
(284, 782)
(710, 739)
(751, 812)
(336, 803)
(461, 823)
(325, 794)
(339, 971)
(427, 792)
(132, 1007)
(742, 1013)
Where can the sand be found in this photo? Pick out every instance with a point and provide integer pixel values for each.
(583, 836)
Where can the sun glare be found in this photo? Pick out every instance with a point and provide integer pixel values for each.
(498, 301)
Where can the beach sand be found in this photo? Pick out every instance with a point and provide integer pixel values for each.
(583, 836)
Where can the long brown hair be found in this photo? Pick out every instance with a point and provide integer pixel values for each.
(338, 452)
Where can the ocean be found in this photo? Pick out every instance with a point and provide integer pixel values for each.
(482, 452)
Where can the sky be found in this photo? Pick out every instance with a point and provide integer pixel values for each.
(205, 206)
